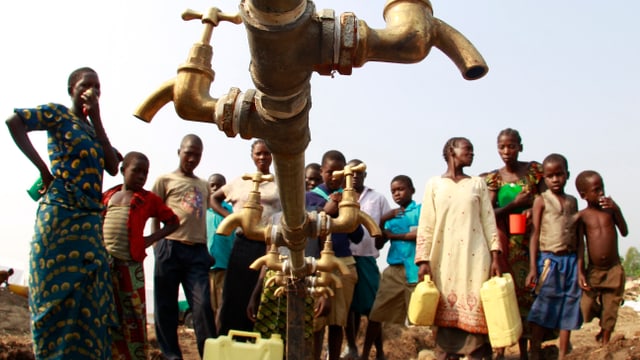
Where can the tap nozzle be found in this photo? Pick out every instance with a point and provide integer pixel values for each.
(328, 261)
(272, 260)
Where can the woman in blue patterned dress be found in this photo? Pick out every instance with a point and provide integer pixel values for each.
(70, 294)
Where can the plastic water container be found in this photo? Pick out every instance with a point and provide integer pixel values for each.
(254, 347)
(423, 303)
(517, 224)
(498, 296)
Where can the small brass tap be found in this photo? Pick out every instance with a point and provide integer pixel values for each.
(279, 279)
(249, 218)
(350, 215)
(328, 260)
(272, 260)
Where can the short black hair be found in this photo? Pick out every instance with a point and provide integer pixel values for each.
(130, 156)
(556, 158)
(583, 177)
(404, 178)
(450, 144)
(333, 155)
(75, 76)
(510, 132)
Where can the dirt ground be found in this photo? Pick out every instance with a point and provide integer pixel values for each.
(400, 343)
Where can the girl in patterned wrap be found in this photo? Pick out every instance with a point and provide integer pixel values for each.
(70, 292)
(512, 189)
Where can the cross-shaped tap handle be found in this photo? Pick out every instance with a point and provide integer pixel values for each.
(210, 19)
(348, 172)
(257, 178)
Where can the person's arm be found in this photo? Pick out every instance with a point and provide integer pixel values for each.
(356, 235)
(490, 229)
(380, 241)
(523, 199)
(92, 106)
(424, 268)
(167, 229)
(618, 218)
(424, 237)
(160, 213)
(254, 300)
(538, 208)
(495, 263)
(18, 132)
(216, 202)
(331, 207)
(580, 251)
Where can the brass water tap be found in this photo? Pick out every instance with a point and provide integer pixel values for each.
(349, 214)
(189, 90)
(328, 260)
(272, 260)
(279, 279)
(327, 279)
(249, 218)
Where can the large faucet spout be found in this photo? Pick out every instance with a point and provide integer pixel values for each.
(411, 31)
(152, 104)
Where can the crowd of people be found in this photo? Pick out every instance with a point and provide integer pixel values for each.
(87, 290)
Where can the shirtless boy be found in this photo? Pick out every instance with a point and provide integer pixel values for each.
(605, 276)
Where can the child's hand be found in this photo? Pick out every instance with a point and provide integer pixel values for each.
(424, 269)
(47, 179)
(322, 307)
(606, 202)
(582, 282)
(524, 198)
(252, 309)
(381, 240)
(531, 280)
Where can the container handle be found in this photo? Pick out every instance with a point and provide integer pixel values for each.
(244, 334)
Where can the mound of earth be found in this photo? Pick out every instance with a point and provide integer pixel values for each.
(401, 343)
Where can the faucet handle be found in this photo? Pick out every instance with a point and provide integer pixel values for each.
(258, 178)
(210, 19)
(348, 172)
(213, 16)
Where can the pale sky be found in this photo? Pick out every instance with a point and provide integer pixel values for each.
(563, 73)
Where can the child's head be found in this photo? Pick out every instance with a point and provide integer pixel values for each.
(261, 156)
(190, 153)
(590, 187)
(134, 169)
(460, 149)
(509, 145)
(358, 177)
(555, 169)
(216, 181)
(402, 190)
(332, 160)
(312, 176)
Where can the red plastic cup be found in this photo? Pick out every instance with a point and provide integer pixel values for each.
(517, 224)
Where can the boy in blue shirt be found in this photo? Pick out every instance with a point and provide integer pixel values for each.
(400, 277)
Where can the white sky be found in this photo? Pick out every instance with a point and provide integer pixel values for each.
(564, 73)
